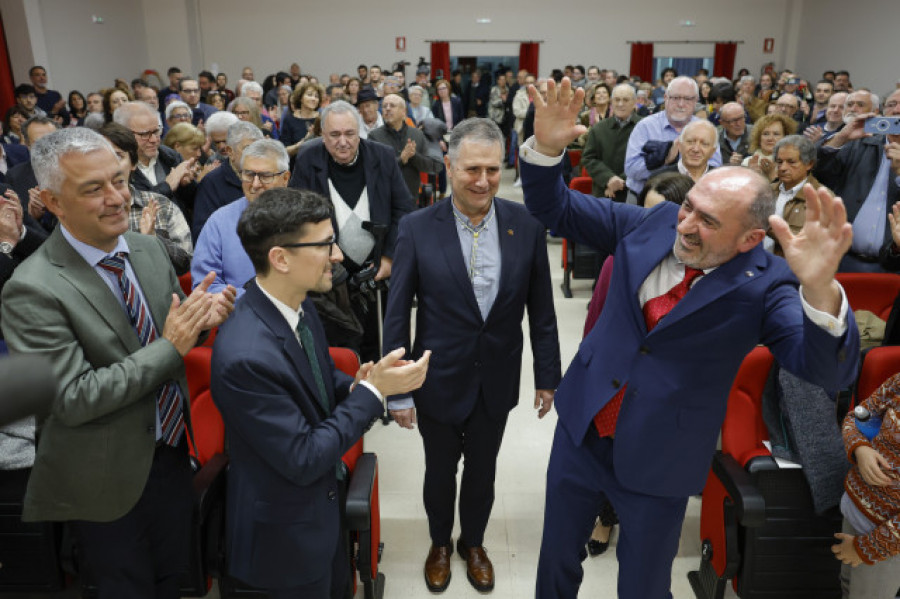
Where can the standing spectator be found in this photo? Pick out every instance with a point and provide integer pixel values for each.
(734, 139)
(604, 148)
(48, 100)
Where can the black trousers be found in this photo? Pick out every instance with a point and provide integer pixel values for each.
(144, 554)
(477, 440)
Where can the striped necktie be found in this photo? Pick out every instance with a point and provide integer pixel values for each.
(169, 401)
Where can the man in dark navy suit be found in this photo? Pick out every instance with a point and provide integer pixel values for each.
(641, 405)
(474, 263)
(289, 414)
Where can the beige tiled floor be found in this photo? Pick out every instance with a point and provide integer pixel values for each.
(514, 533)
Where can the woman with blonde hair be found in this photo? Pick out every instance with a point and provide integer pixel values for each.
(767, 131)
(188, 141)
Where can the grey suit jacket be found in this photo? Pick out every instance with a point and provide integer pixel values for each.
(96, 446)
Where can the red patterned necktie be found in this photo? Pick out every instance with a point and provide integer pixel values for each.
(168, 400)
(654, 310)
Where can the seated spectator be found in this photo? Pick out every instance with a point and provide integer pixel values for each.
(27, 100)
(352, 89)
(834, 120)
(177, 112)
(663, 126)
(216, 129)
(766, 133)
(158, 169)
(417, 107)
(22, 179)
(189, 90)
(789, 106)
(734, 139)
(188, 141)
(868, 545)
(254, 91)
(697, 144)
(408, 143)
(864, 170)
(12, 125)
(305, 102)
(77, 108)
(112, 99)
(20, 236)
(264, 165)
(604, 149)
(223, 185)
(367, 103)
(795, 157)
(596, 104)
(151, 213)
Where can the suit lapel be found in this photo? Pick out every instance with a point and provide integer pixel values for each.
(738, 271)
(448, 240)
(272, 318)
(87, 283)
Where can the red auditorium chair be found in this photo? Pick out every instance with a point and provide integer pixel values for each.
(758, 527)
(578, 261)
(874, 292)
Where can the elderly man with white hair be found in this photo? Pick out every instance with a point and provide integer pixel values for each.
(698, 143)
(681, 95)
(254, 91)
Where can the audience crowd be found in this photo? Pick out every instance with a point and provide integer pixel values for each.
(199, 153)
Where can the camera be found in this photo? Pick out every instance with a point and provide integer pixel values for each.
(884, 125)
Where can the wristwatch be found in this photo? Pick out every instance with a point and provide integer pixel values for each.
(6, 248)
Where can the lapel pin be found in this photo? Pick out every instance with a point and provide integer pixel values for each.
(749, 273)
(509, 232)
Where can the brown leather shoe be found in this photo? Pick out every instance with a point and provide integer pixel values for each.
(479, 569)
(437, 568)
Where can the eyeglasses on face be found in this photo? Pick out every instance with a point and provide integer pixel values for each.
(264, 178)
(677, 99)
(309, 244)
(147, 135)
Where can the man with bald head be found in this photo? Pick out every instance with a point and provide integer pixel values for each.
(681, 96)
(834, 120)
(698, 142)
(640, 408)
(408, 143)
(734, 139)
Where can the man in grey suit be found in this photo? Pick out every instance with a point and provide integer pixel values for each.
(104, 306)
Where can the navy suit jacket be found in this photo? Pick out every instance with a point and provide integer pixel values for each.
(15, 154)
(389, 197)
(456, 107)
(678, 375)
(470, 354)
(283, 515)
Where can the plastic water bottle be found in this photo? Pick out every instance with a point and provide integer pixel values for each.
(867, 423)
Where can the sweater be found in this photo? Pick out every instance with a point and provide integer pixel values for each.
(881, 505)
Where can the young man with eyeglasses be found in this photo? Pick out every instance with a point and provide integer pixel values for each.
(264, 166)
(159, 169)
(289, 414)
(664, 126)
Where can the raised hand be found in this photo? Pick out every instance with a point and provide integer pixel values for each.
(815, 252)
(556, 120)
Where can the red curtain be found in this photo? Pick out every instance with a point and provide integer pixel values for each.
(7, 99)
(440, 59)
(528, 57)
(724, 60)
(642, 61)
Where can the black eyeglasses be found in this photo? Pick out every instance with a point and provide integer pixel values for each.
(309, 244)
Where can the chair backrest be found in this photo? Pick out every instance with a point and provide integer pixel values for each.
(185, 282)
(574, 158)
(744, 430)
(209, 429)
(197, 368)
(874, 292)
(347, 361)
(879, 364)
(582, 184)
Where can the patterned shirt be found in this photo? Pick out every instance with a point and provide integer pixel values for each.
(171, 227)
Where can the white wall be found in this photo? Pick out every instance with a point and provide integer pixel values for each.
(326, 36)
(332, 36)
(860, 37)
(77, 53)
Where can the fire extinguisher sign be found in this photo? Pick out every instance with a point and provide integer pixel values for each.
(400, 44)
